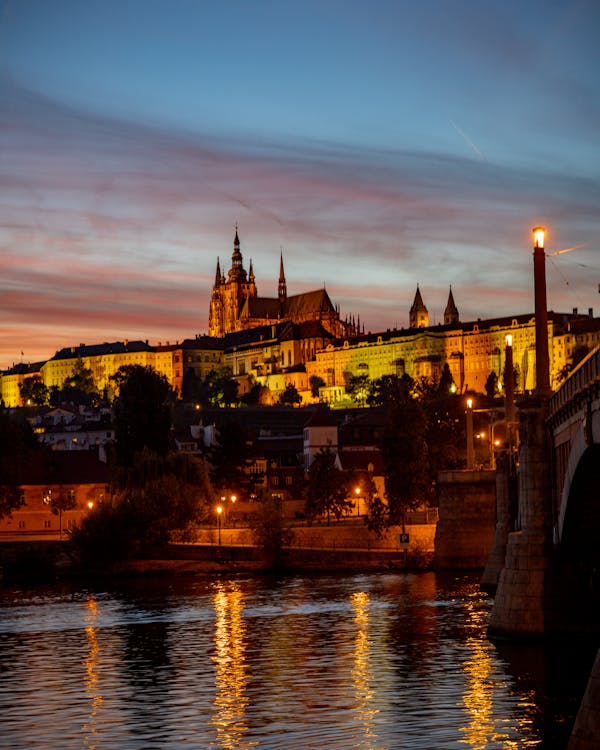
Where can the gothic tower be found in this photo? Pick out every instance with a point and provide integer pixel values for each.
(451, 311)
(418, 316)
(229, 294)
(282, 287)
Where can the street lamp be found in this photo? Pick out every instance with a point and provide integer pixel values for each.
(357, 493)
(542, 358)
(219, 511)
(470, 450)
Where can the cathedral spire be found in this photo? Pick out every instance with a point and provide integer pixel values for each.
(237, 272)
(282, 287)
(251, 272)
(418, 317)
(451, 311)
(218, 276)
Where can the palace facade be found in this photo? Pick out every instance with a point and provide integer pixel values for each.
(287, 339)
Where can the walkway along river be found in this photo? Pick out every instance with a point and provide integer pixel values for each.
(374, 661)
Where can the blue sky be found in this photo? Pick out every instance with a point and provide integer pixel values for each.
(380, 144)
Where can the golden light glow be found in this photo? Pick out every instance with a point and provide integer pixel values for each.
(91, 679)
(90, 504)
(362, 669)
(219, 510)
(509, 339)
(357, 490)
(469, 403)
(233, 498)
(231, 698)
(539, 236)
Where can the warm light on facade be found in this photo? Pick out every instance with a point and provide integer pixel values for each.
(539, 236)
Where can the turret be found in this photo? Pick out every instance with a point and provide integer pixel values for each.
(451, 311)
(237, 271)
(418, 317)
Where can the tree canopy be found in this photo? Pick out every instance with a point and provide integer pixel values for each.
(141, 412)
(326, 491)
(17, 443)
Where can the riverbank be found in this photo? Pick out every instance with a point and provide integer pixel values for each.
(45, 559)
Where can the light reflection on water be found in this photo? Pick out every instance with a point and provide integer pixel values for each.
(375, 662)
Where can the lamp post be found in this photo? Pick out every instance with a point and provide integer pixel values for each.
(542, 359)
(357, 493)
(470, 450)
(219, 511)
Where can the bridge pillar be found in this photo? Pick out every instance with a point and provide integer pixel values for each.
(520, 604)
(505, 517)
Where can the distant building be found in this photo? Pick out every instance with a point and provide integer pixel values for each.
(236, 306)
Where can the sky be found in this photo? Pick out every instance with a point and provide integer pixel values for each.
(378, 145)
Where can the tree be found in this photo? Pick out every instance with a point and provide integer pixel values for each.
(390, 389)
(326, 490)
(315, 382)
(157, 498)
(446, 386)
(78, 388)
(579, 353)
(141, 412)
(491, 385)
(60, 503)
(17, 444)
(357, 387)
(219, 388)
(270, 532)
(230, 458)
(33, 391)
(405, 458)
(290, 395)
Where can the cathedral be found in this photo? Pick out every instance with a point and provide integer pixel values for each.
(236, 306)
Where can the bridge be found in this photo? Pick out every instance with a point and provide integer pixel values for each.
(545, 563)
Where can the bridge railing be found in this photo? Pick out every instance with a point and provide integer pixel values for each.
(586, 372)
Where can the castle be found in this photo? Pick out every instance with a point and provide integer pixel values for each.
(285, 339)
(236, 306)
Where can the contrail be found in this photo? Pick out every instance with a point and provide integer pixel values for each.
(468, 140)
(568, 249)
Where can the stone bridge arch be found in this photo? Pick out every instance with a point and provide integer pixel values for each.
(580, 495)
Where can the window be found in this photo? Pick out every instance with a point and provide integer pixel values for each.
(288, 481)
(48, 524)
(21, 524)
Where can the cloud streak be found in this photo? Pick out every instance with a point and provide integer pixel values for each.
(110, 229)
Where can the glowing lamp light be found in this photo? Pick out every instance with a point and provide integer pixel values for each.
(219, 510)
(469, 403)
(509, 339)
(90, 504)
(539, 236)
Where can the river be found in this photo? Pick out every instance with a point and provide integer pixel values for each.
(372, 662)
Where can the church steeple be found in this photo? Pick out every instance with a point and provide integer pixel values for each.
(451, 311)
(282, 287)
(237, 271)
(218, 276)
(418, 317)
(251, 273)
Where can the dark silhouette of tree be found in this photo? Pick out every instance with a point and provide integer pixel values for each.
(315, 382)
(34, 392)
(60, 503)
(326, 491)
(405, 457)
(445, 386)
(17, 444)
(290, 395)
(157, 499)
(230, 458)
(79, 388)
(141, 412)
(271, 534)
(389, 389)
(491, 385)
(579, 353)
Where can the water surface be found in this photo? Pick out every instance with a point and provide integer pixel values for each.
(377, 661)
